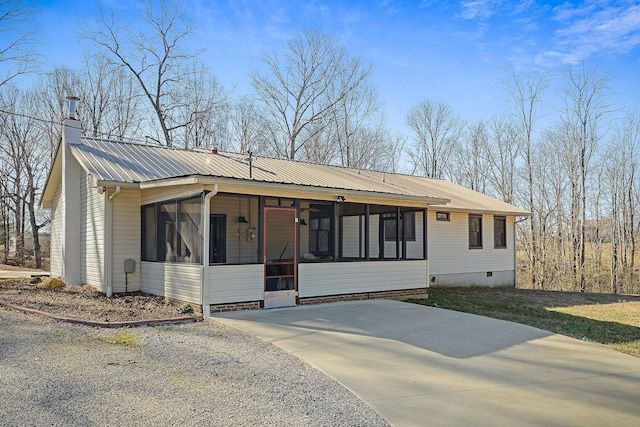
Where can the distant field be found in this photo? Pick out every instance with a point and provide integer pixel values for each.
(610, 320)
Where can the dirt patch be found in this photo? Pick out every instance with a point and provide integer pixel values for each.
(7, 267)
(85, 302)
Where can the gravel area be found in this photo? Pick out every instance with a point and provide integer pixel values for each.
(60, 374)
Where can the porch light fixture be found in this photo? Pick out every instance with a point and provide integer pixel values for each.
(341, 199)
(243, 220)
(303, 222)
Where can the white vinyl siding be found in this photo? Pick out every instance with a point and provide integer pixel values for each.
(125, 239)
(91, 234)
(449, 251)
(319, 279)
(57, 233)
(235, 283)
(497, 278)
(181, 282)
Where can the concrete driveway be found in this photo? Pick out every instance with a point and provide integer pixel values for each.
(420, 365)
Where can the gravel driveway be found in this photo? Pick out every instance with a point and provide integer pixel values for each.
(58, 374)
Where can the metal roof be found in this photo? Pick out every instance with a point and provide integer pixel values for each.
(112, 161)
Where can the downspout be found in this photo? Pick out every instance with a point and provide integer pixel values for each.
(108, 243)
(515, 254)
(206, 213)
(425, 244)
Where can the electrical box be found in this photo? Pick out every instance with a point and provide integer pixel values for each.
(129, 265)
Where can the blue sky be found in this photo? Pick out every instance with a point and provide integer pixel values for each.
(442, 51)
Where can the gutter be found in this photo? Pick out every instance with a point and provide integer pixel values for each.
(108, 242)
(206, 213)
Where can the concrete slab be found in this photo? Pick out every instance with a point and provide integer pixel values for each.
(420, 365)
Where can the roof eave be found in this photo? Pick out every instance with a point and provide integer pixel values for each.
(482, 211)
(348, 194)
(258, 186)
(53, 177)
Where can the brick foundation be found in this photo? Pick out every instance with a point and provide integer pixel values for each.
(362, 296)
(255, 305)
(238, 306)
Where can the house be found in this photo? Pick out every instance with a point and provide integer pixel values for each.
(228, 231)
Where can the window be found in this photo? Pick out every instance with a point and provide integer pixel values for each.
(407, 226)
(475, 231)
(171, 231)
(443, 216)
(389, 227)
(499, 232)
(320, 230)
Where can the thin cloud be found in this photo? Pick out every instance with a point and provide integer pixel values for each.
(604, 30)
(478, 9)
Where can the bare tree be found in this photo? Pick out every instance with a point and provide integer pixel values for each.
(16, 37)
(6, 216)
(359, 117)
(154, 57)
(501, 154)
(303, 87)
(249, 129)
(621, 175)
(525, 92)
(586, 105)
(51, 91)
(437, 132)
(470, 157)
(20, 141)
(110, 101)
(206, 110)
(320, 147)
(375, 148)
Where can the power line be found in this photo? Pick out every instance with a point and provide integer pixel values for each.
(104, 134)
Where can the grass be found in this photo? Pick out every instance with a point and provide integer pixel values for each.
(124, 339)
(610, 320)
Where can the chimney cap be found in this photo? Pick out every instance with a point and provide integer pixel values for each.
(72, 107)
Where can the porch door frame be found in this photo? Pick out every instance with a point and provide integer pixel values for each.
(279, 273)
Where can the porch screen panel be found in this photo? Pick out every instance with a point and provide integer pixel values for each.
(167, 232)
(413, 221)
(240, 235)
(384, 234)
(190, 238)
(374, 236)
(171, 231)
(149, 236)
(351, 231)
